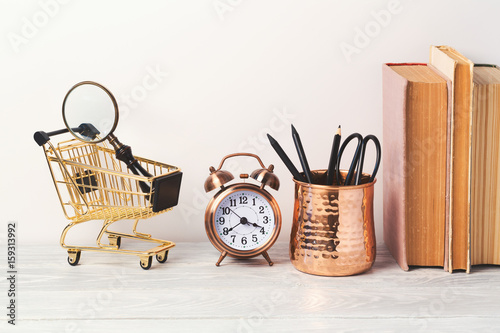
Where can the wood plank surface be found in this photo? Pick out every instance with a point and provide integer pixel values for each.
(190, 293)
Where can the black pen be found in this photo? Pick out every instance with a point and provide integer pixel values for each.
(281, 153)
(333, 158)
(302, 155)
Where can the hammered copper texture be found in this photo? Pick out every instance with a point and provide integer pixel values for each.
(333, 232)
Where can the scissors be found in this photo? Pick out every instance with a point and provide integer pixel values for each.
(358, 158)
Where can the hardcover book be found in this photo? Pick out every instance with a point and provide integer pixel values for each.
(485, 200)
(415, 111)
(459, 70)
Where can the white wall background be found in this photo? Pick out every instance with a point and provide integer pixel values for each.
(227, 73)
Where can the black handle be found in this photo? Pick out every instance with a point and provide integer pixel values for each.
(354, 161)
(362, 158)
(42, 137)
(86, 129)
(124, 154)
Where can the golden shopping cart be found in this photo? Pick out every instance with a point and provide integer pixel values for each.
(95, 182)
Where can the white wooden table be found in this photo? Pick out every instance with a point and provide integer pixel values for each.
(111, 293)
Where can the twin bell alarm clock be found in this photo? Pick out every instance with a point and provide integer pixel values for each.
(242, 220)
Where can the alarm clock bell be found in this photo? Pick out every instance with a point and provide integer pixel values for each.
(217, 178)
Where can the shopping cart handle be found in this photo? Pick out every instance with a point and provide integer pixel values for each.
(42, 137)
(86, 129)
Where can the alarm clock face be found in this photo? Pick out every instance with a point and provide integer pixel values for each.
(245, 218)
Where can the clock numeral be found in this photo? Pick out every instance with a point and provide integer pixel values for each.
(265, 220)
(244, 240)
(232, 202)
(233, 237)
(222, 220)
(243, 200)
(261, 209)
(262, 231)
(225, 231)
(225, 210)
(253, 202)
(254, 238)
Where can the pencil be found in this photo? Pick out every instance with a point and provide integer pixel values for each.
(302, 155)
(333, 158)
(281, 153)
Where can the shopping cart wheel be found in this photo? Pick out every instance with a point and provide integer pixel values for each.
(115, 241)
(146, 262)
(162, 257)
(74, 257)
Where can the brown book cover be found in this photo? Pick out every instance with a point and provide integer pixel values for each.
(448, 163)
(415, 110)
(459, 70)
(485, 200)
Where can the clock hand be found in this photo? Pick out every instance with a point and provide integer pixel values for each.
(231, 229)
(243, 220)
(254, 224)
(235, 213)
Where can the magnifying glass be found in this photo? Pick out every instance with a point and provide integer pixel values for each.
(90, 113)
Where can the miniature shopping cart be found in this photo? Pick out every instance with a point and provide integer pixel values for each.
(93, 185)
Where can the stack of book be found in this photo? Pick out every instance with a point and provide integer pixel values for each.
(442, 161)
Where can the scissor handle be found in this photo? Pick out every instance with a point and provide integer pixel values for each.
(355, 158)
(362, 158)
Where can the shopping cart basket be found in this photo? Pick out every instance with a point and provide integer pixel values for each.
(93, 185)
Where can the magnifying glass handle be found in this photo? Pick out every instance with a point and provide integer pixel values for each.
(124, 154)
(144, 187)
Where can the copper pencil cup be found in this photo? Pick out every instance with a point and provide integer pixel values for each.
(333, 232)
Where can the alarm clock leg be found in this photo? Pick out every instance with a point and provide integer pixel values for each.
(222, 256)
(266, 256)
